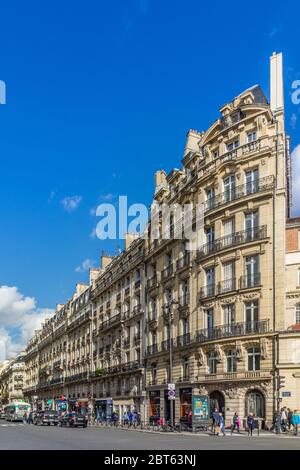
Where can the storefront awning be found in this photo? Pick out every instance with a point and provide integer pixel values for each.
(125, 401)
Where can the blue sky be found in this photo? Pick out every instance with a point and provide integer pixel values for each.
(100, 95)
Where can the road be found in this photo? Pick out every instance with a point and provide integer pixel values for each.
(16, 436)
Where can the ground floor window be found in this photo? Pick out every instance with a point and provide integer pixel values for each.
(185, 396)
(154, 401)
(255, 403)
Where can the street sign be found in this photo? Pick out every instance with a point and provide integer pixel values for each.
(171, 394)
(171, 386)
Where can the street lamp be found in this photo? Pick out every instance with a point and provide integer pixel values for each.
(169, 314)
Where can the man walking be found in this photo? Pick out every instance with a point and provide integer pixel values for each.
(250, 424)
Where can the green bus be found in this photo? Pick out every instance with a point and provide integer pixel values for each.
(15, 411)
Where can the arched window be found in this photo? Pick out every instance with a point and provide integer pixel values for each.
(298, 313)
(255, 403)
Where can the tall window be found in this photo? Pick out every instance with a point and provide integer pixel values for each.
(212, 362)
(210, 197)
(228, 283)
(154, 372)
(210, 320)
(153, 308)
(185, 292)
(228, 231)
(251, 225)
(298, 313)
(185, 326)
(229, 188)
(210, 237)
(186, 368)
(252, 277)
(229, 314)
(251, 316)
(253, 355)
(252, 181)
(231, 360)
(210, 281)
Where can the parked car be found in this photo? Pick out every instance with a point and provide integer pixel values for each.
(73, 420)
(46, 417)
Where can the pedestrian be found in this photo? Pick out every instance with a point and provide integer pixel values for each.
(289, 418)
(236, 422)
(283, 419)
(250, 424)
(296, 421)
(215, 420)
(25, 417)
(222, 423)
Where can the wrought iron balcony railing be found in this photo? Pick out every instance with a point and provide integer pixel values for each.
(232, 329)
(237, 238)
(252, 187)
(250, 280)
(184, 261)
(168, 271)
(183, 340)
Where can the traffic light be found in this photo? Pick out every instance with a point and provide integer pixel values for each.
(280, 381)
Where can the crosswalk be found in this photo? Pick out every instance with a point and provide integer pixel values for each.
(3, 425)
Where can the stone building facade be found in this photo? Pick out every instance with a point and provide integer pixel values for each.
(207, 318)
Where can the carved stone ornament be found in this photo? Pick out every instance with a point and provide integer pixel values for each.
(200, 357)
(232, 392)
(219, 352)
(264, 348)
(239, 350)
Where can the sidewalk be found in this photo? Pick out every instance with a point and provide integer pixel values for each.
(242, 434)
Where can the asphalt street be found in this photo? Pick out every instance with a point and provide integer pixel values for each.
(16, 436)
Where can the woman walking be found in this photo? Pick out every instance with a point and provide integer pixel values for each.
(236, 422)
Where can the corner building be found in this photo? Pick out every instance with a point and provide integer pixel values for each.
(228, 297)
(207, 320)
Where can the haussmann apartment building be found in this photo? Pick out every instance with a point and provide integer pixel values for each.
(227, 312)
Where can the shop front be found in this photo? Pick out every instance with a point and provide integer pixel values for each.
(80, 406)
(154, 406)
(123, 405)
(185, 401)
(103, 410)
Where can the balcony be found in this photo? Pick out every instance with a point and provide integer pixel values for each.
(250, 280)
(207, 291)
(76, 377)
(110, 322)
(127, 291)
(231, 330)
(165, 345)
(234, 239)
(184, 301)
(152, 349)
(152, 282)
(262, 374)
(228, 285)
(183, 262)
(137, 309)
(183, 340)
(167, 272)
(137, 338)
(127, 341)
(253, 187)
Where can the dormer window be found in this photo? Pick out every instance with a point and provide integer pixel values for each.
(215, 154)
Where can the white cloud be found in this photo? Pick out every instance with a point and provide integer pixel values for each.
(70, 203)
(108, 197)
(19, 318)
(293, 121)
(86, 265)
(52, 196)
(296, 179)
(93, 234)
